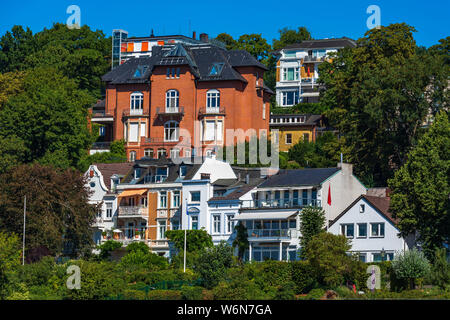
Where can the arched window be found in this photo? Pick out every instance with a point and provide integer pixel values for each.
(172, 100)
(136, 102)
(171, 131)
(212, 100)
(132, 156)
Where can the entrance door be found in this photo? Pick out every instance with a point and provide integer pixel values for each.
(130, 230)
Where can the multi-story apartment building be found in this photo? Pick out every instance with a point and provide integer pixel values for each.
(295, 127)
(297, 69)
(102, 180)
(181, 100)
(124, 47)
(272, 216)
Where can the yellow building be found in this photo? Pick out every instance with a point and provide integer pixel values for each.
(294, 127)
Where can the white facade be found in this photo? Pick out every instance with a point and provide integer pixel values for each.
(372, 234)
(106, 216)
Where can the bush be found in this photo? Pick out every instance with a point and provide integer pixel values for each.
(140, 259)
(107, 247)
(316, 294)
(192, 293)
(440, 272)
(165, 295)
(410, 266)
(303, 276)
(271, 273)
(213, 263)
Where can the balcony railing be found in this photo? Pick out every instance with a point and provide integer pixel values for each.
(166, 213)
(170, 110)
(155, 179)
(211, 110)
(313, 59)
(269, 233)
(133, 211)
(134, 112)
(281, 203)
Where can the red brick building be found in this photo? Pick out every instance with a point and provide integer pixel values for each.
(203, 90)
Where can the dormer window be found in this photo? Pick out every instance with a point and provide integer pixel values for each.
(137, 173)
(140, 71)
(183, 170)
(216, 69)
(173, 73)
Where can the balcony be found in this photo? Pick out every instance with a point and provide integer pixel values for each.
(269, 233)
(133, 212)
(211, 111)
(310, 59)
(134, 113)
(155, 178)
(280, 203)
(166, 213)
(170, 111)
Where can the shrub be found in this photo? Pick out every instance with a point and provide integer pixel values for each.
(303, 276)
(139, 258)
(107, 247)
(271, 273)
(410, 266)
(213, 263)
(165, 295)
(192, 293)
(316, 294)
(130, 294)
(440, 272)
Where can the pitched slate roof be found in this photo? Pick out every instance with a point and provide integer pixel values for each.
(381, 204)
(299, 177)
(323, 43)
(199, 58)
(109, 169)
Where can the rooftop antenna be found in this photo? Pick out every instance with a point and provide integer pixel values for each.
(152, 35)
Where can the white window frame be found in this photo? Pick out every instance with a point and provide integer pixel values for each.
(286, 138)
(212, 100)
(171, 130)
(109, 210)
(216, 223)
(176, 194)
(192, 222)
(344, 230)
(230, 223)
(192, 192)
(172, 100)
(162, 228)
(148, 152)
(358, 233)
(162, 202)
(136, 103)
(378, 235)
(132, 156)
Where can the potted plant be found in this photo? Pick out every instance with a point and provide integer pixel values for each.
(104, 233)
(137, 234)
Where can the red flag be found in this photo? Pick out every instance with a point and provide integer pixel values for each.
(329, 195)
(308, 72)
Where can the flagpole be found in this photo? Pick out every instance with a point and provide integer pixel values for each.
(24, 221)
(184, 257)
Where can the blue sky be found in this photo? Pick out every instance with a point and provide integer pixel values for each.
(324, 19)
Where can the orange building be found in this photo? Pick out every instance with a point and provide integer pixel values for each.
(182, 99)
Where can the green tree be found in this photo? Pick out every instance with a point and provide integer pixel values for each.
(410, 266)
(11, 83)
(254, 44)
(196, 240)
(440, 270)
(12, 151)
(291, 36)
(312, 222)
(228, 40)
(9, 260)
(420, 188)
(379, 95)
(213, 263)
(241, 240)
(50, 117)
(58, 214)
(116, 154)
(15, 45)
(324, 152)
(327, 254)
(106, 248)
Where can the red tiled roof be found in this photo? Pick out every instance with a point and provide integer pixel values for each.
(109, 169)
(382, 204)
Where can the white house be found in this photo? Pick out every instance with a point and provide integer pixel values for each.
(298, 69)
(272, 216)
(102, 179)
(371, 228)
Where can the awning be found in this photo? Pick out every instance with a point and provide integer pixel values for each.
(134, 192)
(265, 215)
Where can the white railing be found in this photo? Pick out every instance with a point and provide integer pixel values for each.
(269, 233)
(133, 211)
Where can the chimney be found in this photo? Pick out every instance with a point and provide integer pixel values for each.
(193, 35)
(347, 168)
(204, 37)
